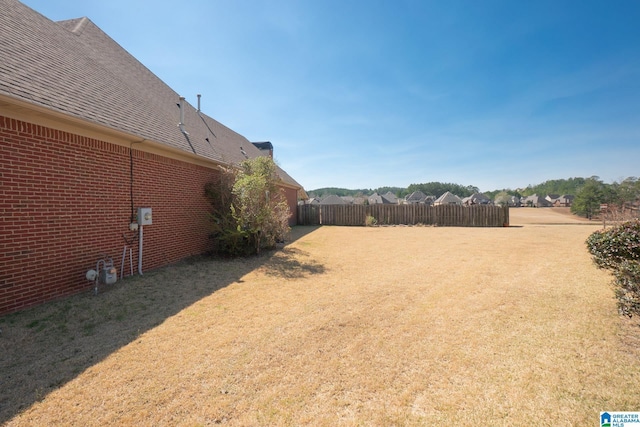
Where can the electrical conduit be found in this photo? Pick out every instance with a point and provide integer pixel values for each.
(140, 251)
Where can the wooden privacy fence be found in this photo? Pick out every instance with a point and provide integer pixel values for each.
(443, 215)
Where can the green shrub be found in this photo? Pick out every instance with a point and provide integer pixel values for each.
(225, 237)
(628, 289)
(259, 205)
(248, 209)
(370, 221)
(618, 250)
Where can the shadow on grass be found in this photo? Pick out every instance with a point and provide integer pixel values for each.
(44, 347)
(292, 263)
(300, 231)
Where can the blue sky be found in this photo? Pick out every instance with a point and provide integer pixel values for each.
(363, 94)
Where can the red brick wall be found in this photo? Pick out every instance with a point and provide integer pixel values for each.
(292, 200)
(65, 201)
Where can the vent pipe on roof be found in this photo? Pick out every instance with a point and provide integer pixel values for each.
(209, 131)
(181, 124)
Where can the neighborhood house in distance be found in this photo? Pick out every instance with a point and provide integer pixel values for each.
(418, 197)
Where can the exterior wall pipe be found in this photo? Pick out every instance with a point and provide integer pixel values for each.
(140, 252)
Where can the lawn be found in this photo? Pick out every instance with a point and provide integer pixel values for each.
(344, 326)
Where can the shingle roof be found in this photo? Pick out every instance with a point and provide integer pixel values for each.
(416, 196)
(477, 199)
(390, 198)
(74, 68)
(536, 200)
(332, 200)
(448, 198)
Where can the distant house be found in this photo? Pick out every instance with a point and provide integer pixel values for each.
(536, 201)
(348, 199)
(390, 198)
(360, 200)
(312, 201)
(506, 199)
(448, 199)
(387, 199)
(514, 201)
(563, 201)
(333, 200)
(354, 200)
(375, 199)
(418, 197)
(551, 198)
(477, 199)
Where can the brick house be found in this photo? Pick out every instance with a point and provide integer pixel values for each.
(87, 136)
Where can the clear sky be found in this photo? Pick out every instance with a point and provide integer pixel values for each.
(364, 94)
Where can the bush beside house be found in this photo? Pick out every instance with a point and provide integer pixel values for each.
(248, 209)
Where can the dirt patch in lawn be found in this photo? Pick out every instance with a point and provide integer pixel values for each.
(345, 326)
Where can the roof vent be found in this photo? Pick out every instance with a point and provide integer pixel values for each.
(181, 124)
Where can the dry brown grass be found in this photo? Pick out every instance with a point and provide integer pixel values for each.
(345, 326)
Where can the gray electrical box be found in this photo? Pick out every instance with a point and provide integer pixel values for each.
(144, 216)
(108, 275)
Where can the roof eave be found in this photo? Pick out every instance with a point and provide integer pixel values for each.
(20, 109)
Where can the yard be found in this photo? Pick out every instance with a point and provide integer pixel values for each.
(345, 326)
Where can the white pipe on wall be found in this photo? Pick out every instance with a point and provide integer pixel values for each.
(140, 252)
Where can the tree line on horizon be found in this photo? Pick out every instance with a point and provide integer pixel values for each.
(435, 188)
(430, 188)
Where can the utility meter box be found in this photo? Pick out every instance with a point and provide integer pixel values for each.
(144, 216)
(108, 275)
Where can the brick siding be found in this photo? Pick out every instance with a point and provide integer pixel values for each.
(65, 201)
(291, 195)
